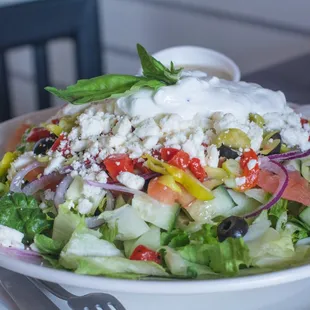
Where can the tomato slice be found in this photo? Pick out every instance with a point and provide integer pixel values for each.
(197, 170)
(185, 198)
(167, 153)
(38, 133)
(298, 188)
(180, 160)
(161, 192)
(57, 143)
(33, 174)
(117, 163)
(251, 175)
(141, 252)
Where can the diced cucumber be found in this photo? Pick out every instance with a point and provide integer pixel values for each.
(150, 239)
(212, 183)
(293, 164)
(258, 194)
(129, 223)
(230, 182)
(305, 216)
(152, 211)
(305, 169)
(216, 173)
(244, 204)
(205, 211)
(232, 167)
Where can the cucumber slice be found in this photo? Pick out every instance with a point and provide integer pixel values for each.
(129, 223)
(258, 194)
(205, 211)
(75, 190)
(305, 216)
(234, 138)
(305, 169)
(232, 167)
(244, 204)
(152, 211)
(216, 173)
(293, 164)
(150, 239)
(212, 183)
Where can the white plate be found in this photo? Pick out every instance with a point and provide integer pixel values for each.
(262, 291)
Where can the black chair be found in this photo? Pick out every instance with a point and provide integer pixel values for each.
(35, 23)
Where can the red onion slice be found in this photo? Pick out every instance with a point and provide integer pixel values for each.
(289, 155)
(151, 175)
(61, 190)
(41, 183)
(278, 169)
(17, 181)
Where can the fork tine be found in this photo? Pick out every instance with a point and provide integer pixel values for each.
(115, 303)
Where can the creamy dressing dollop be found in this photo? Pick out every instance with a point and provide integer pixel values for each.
(204, 95)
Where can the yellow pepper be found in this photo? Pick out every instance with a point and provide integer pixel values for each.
(55, 129)
(169, 181)
(191, 184)
(6, 161)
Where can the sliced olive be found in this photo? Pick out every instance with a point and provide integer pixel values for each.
(43, 145)
(233, 226)
(227, 152)
(234, 138)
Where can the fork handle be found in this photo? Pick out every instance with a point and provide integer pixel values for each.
(54, 288)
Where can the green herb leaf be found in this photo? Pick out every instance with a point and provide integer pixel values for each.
(154, 69)
(103, 87)
(22, 213)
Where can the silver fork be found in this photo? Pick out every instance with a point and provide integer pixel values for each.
(94, 301)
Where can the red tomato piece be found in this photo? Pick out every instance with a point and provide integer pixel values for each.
(33, 174)
(141, 252)
(161, 192)
(38, 133)
(197, 170)
(55, 121)
(298, 188)
(251, 175)
(303, 121)
(57, 144)
(117, 163)
(167, 153)
(180, 160)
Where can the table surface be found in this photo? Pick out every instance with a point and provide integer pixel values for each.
(291, 77)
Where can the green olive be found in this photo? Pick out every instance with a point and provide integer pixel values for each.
(257, 119)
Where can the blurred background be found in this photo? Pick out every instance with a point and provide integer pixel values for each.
(255, 34)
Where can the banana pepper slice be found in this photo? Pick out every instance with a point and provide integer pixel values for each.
(6, 161)
(191, 184)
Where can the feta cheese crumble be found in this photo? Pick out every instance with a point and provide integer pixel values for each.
(131, 180)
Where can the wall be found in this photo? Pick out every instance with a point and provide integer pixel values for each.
(256, 34)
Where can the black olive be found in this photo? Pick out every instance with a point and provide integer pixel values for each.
(233, 226)
(43, 145)
(277, 149)
(227, 152)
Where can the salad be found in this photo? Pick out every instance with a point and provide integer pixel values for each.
(173, 174)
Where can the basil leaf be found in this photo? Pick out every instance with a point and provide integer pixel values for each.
(22, 213)
(154, 69)
(103, 87)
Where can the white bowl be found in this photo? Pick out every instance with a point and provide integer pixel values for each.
(285, 290)
(199, 57)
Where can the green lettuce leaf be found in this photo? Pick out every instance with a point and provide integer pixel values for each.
(180, 267)
(22, 213)
(47, 245)
(207, 234)
(103, 87)
(65, 223)
(174, 239)
(154, 69)
(108, 233)
(276, 211)
(222, 257)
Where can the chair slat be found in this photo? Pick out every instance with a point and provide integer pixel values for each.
(42, 79)
(5, 107)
